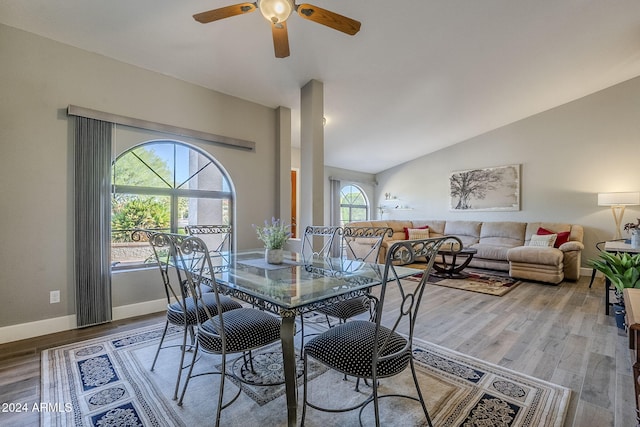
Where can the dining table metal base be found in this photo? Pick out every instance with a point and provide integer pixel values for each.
(287, 331)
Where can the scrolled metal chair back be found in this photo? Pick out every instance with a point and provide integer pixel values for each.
(164, 253)
(218, 237)
(193, 263)
(364, 243)
(321, 242)
(410, 291)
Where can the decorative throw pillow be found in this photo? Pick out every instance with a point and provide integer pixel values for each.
(406, 231)
(418, 233)
(546, 240)
(563, 237)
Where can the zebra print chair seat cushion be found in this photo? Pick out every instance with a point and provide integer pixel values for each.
(348, 348)
(245, 328)
(348, 308)
(176, 317)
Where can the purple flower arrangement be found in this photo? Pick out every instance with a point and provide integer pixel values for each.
(274, 234)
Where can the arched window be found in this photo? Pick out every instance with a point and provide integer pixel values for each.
(164, 185)
(354, 205)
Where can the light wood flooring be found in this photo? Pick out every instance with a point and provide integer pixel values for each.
(555, 333)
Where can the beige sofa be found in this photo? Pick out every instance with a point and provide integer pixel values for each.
(501, 245)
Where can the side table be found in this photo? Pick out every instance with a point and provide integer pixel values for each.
(453, 268)
(632, 319)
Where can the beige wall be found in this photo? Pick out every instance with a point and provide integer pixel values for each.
(568, 154)
(38, 79)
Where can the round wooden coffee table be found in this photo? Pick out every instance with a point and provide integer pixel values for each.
(453, 262)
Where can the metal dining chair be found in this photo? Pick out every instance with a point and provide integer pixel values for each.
(230, 332)
(218, 237)
(380, 348)
(182, 310)
(219, 240)
(359, 244)
(318, 242)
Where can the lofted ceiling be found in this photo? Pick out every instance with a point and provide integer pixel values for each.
(419, 76)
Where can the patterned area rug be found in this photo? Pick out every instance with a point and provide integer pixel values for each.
(476, 281)
(107, 382)
(479, 282)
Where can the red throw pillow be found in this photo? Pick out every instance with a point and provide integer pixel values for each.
(406, 231)
(562, 237)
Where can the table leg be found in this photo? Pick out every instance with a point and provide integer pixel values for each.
(607, 286)
(636, 388)
(287, 329)
(452, 271)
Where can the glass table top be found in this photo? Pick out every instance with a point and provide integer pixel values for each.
(296, 283)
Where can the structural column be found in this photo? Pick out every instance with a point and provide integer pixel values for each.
(312, 154)
(283, 163)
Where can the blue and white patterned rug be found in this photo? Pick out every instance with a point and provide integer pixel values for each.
(107, 382)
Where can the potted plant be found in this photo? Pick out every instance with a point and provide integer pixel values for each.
(623, 271)
(273, 235)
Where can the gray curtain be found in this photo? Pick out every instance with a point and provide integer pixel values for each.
(334, 215)
(92, 221)
(334, 188)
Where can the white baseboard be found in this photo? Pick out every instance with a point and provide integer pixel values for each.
(65, 323)
(139, 309)
(584, 271)
(34, 329)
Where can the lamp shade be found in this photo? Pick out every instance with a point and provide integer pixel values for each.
(276, 11)
(619, 199)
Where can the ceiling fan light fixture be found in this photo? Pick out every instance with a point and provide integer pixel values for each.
(276, 11)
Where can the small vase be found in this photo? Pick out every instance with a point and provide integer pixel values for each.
(273, 256)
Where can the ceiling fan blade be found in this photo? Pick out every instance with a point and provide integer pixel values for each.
(328, 18)
(280, 39)
(224, 12)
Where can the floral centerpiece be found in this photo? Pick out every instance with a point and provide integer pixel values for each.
(273, 235)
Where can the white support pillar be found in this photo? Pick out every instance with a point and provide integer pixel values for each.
(311, 154)
(283, 163)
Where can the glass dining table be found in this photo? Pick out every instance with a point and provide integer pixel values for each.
(294, 287)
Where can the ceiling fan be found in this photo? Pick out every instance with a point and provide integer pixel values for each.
(277, 12)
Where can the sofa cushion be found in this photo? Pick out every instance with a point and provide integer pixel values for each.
(575, 231)
(563, 237)
(495, 252)
(467, 231)
(417, 233)
(503, 233)
(543, 240)
(535, 255)
(397, 227)
(406, 231)
(436, 227)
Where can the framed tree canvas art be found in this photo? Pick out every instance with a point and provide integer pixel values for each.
(486, 189)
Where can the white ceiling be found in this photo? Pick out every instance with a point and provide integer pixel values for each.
(419, 76)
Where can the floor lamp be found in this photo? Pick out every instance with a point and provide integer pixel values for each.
(618, 201)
